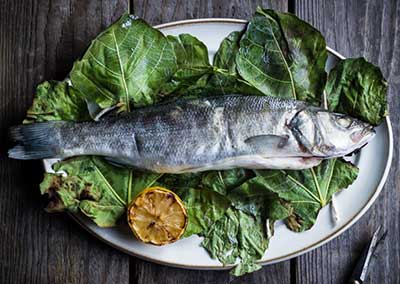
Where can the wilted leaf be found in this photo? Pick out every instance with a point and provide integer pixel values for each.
(97, 188)
(237, 235)
(57, 101)
(358, 88)
(203, 207)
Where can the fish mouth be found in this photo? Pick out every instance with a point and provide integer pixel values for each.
(360, 138)
(363, 136)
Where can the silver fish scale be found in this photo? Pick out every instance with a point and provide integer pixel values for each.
(106, 138)
(189, 134)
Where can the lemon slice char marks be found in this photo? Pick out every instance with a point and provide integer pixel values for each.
(157, 216)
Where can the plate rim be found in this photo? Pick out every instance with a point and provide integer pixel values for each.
(297, 253)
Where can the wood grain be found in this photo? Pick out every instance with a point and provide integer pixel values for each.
(39, 40)
(370, 29)
(163, 11)
(146, 272)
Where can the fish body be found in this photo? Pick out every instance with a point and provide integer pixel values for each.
(209, 133)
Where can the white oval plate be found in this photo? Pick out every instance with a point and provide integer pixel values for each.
(374, 162)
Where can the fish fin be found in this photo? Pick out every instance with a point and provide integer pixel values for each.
(260, 141)
(97, 113)
(35, 141)
(107, 112)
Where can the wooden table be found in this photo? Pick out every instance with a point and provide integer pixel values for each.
(40, 39)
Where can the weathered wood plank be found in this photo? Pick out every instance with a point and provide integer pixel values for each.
(146, 272)
(163, 11)
(39, 40)
(371, 29)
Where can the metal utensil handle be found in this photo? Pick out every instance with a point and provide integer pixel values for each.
(130, 7)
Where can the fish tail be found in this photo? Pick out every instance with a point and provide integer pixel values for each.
(36, 141)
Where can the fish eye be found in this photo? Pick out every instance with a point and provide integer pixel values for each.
(343, 121)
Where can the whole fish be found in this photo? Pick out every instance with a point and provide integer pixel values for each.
(209, 133)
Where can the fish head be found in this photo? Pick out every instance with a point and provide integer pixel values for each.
(329, 134)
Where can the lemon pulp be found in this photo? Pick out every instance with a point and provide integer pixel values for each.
(157, 216)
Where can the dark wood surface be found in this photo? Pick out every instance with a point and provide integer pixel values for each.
(369, 28)
(39, 40)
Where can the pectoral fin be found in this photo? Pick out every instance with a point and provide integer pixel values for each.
(262, 141)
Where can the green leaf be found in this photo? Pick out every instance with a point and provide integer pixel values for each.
(57, 101)
(125, 65)
(225, 78)
(253, 242)
(140, 181)
(309, 190)
(237, 235)
(222, 83)
(254, 197)
(283, 56)
(202, 194)
(358, 88)
(244, 267)
(222, 78)
(221, 240)
(97, 188)
(192, 64)
(63, 192)
(219, 181)
(241, 234)
(178, 182)
(226, 54)
(223, 181)
(204, 208)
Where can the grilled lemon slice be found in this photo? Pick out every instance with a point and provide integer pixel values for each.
(157, 216)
